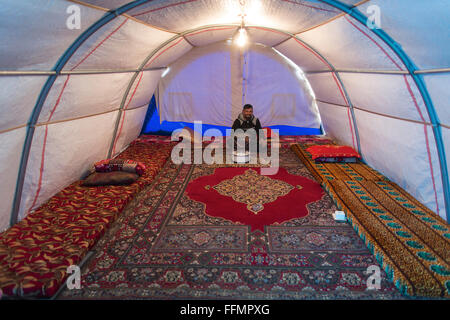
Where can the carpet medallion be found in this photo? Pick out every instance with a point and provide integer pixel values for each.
(179, 239)
(244, 196)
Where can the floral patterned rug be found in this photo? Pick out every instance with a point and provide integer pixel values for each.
(166, 245)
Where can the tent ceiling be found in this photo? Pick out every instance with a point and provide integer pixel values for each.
(292, 16)
(152, 34)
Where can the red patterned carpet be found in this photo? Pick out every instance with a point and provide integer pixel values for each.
(245, 196)
(218, 232)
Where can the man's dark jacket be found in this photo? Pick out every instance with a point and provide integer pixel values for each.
(244, 124)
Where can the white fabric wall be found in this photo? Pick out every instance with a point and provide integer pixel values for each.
(438, 85)
(337, 122)
(34, 33)
(420, 27)
(211, 77)
(132, 125)
(210, 35)
(12, 145)
(302, 56)
(292, 16)
(347, 47)
(89, 101)
(121, 44)
(169, 53)
(198, 82)
(278, 93)
(327, 88)
(79, 95)
(266, 36)
(135, 108)
(347, 44)
(396, 148)
(71, 148)
(386, 94)
(18, 97)
(446, 137)
(142, 89)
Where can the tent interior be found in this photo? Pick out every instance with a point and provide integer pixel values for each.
(82, 81)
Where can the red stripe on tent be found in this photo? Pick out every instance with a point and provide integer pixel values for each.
(124, 111)
(376, 43)
(170, 5)
(415, 103)
(41, 170)
(216, 29)
(271, 30)
(393, 61)
(135, 89)
(431, 167)
(159, 54)
(114, 31)
(309, 6)
(338, 85)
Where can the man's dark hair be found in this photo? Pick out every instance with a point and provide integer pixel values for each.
(248, 106)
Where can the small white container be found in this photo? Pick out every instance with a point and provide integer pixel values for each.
(240, 157)
(339, 216)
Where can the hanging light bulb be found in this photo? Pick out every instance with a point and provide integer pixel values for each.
(241, 39)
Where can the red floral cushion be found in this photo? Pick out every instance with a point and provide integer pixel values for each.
(332, 151)
(126, 165)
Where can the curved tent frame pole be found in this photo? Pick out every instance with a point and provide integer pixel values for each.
(183, 34)
(412, 68)
(108, 17)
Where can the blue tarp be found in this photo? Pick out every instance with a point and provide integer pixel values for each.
(152, 125)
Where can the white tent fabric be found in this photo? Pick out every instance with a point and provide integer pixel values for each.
(64, 152)
(376, 92)
(34, 33)
(337, 123)
(74, 95)
(347, 47)
(12, 144)
(212, 83)
(26, 90)
(437, 85)
(121, 45)
(71, 98)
